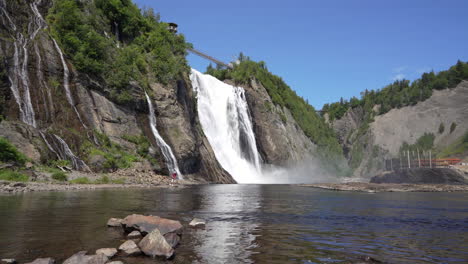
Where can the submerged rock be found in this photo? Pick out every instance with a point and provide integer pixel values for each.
(129, 248)
(114, 222)
(108, 252)
(197, 222)
(154, 244)
(146, 224)
(82, 258)
(8, 261)
(134, 234)
(42, 261)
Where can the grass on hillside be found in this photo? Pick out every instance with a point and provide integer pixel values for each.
(458, 148)
(10, 175)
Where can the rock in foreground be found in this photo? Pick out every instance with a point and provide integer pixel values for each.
(82, 258)
(154, 244)
(42, 261)
(129, 248)
(146, 224)
(108, 252)
(197, 222)
(114, 222)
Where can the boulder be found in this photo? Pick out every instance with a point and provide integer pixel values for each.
(172, 239)
(146, 224)
(134, 234)
(114, 222)
(82, 258)
(108, 252)
(8, 261)
(197, 222)
(154, 244)
(42, 261)
(129, 248)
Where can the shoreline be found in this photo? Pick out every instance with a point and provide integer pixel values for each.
(388, 187)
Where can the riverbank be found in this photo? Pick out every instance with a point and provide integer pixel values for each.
(388, 187)
(76, 180)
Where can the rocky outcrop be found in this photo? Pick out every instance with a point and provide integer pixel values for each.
(154, 244)
(422, 176)
(280, 140)
(129, 248)
(35, 102)
(146, 224)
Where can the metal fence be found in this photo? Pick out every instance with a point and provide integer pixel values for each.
(418, 159)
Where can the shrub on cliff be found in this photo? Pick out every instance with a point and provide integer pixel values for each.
(10, 175)
(9, 153)
(60, 176)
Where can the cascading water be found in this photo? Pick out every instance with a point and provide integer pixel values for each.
(60, 148)
(166, 150)
(66, 81)
(224, 116)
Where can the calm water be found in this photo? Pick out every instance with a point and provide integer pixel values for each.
(246, 224)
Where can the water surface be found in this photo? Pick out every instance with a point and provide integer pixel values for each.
(246, 224)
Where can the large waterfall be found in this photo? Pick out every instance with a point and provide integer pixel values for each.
(166, 150)
(224, 116)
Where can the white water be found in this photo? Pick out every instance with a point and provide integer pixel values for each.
(225, 119)
(166, 150)
(66, 81)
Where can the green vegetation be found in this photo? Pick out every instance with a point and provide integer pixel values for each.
(401, 93)
(425, 142)
(441, 128)
(452, 127)
(143, 146)
(60, 176)
(11, 175)
(9, 153)
(459, 147)
(140, 49)
(102, 180)
(115, 157)
(281, 94)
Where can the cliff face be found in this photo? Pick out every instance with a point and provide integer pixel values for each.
(366, 146)
(52, 111)
(279, 139)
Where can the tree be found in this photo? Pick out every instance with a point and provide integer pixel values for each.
(441, 128)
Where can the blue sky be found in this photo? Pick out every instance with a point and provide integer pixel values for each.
(326, 49)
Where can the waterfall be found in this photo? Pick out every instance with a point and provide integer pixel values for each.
(66, 81)
(166, 150)
(61, 149)
(224, 116)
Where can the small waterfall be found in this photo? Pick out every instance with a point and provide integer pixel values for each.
(60, 148)
(166, 150)
(224, 116)
(66, 81)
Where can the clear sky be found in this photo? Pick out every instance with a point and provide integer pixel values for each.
(326, 49)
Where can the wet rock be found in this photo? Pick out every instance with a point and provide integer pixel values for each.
(19, 184)
(108, 252)
(82, 258)
(154, 244)
(114, 222)
(8, 261)
(134, 234)
(42, 261)
(146, 224)
(129, 248)
(197, 222)
(172, 239)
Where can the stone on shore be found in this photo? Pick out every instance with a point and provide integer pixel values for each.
(82, 258)
(108, 252)
(114, 222)
(129, 248)
(42, 261)
(154, 244)
(146, 224)
(8, 261)
(115, 262)
(134, 234)
(172, 239)
(197, 222)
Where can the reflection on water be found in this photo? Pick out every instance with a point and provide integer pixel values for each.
(246, 224)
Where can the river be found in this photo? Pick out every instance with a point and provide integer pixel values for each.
(246, 224)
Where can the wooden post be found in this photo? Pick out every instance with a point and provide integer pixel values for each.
(430, 158)
(409, 162)
(391, 164)
(419, 159)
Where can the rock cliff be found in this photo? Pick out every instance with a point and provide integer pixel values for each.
(52, 111)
